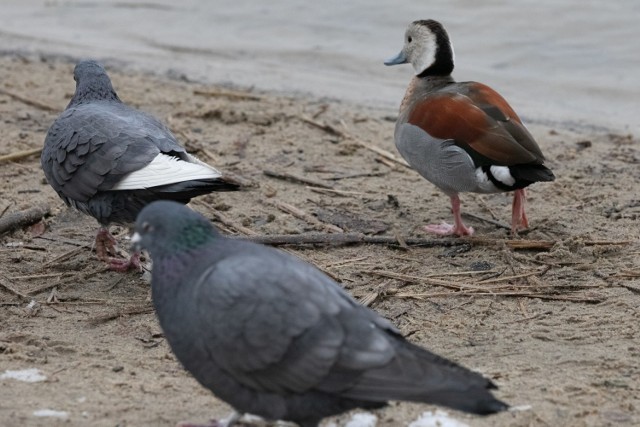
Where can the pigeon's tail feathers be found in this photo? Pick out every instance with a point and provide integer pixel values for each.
(171, 173)
(417, 375)
(186, 190)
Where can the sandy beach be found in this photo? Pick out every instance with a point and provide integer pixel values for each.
(550, 316)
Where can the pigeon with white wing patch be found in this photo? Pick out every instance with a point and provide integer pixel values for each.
(109, 160)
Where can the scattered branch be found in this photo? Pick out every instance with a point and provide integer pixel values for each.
(19, 219)
(235, 95)
(346, 135)
(487, 220)
(30, 102)
(337, 239)
(19, 155)
(310, 219)
(7, 287)
(145, 309)
(286, 176)
(332, 191)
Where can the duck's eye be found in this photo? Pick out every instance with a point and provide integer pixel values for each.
(146, 227)
(409, 39)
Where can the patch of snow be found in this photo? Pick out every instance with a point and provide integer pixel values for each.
(520, 408)
(362, 419)
(436, 418)
(31, 375)
(51, 413)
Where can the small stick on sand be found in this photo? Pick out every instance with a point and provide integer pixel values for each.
(334, 131)
(416, 279)
(30, 102)
(19, 219)
(228, 94)
(145, 309)
(507, 278)
(569, 298)
(310, 219)
(65, 256)
(295, 178)
(19, 294)
(487, 220)
(337, 239)
(232, 225)
(513, 244)
(4, 210)
(18, 155)
(332, 191)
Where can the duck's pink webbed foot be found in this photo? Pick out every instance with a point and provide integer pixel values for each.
(445, 229)
(457, 229)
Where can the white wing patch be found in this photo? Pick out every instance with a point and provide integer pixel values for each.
(484, 184)
(502, 174)
(165, 170)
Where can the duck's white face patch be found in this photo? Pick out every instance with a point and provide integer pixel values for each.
(420, 47)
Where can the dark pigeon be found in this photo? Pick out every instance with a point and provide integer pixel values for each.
(109, 160)
(273, 336)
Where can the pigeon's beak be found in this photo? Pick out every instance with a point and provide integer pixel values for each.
(136, 242)
(400, 58)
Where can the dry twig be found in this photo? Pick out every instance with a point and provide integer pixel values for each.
(145, 309)
(19, 155)
(295, 178)
(10, 289)
(343, 134)
(235, 95)
(310, 219)
(337, 239)
(19, 219)
(333, 191)
(30, 102)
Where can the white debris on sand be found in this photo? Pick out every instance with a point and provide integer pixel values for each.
(51, 413)
(362, 419)
(437, 418)
(31, 375)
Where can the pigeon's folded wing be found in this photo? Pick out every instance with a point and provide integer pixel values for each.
(91, 147)
(287, 331)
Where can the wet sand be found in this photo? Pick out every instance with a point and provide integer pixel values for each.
(558, 62)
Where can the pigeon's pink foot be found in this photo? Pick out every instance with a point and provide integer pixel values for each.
(124, 265)
(445, 229)
(105, 244)
(519, 218)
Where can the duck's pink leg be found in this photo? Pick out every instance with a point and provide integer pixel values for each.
(519, 218)
(458, 228)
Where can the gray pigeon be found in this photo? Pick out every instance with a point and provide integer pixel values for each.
(109, 160)
(273, 336)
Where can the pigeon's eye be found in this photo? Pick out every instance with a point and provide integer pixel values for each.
(409, 39)
(146, 227)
